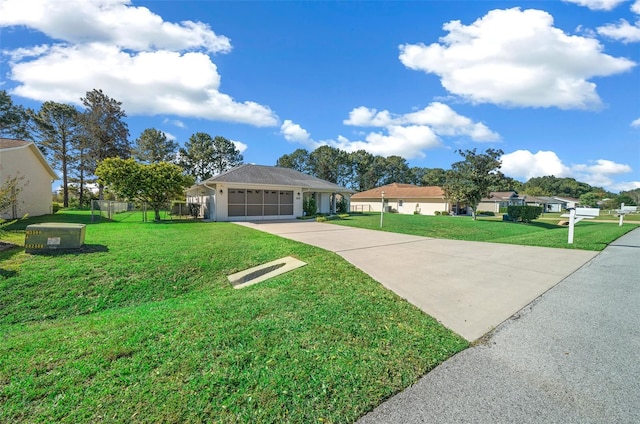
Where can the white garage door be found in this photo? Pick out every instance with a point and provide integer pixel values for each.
(254, 203)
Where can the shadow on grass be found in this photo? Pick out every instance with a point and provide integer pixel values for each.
(7, 273)
(85, 249)
(547, 226)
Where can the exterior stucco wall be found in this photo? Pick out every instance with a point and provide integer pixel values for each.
(489, 206)
(35, 199)
(405, 206)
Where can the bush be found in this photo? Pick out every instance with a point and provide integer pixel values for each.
(343, 215)
(341, 206)
(487, 213)
(321, 219)
(524, 213)
(309, 206)
(416, 212)
(55, 207)
(437, 213)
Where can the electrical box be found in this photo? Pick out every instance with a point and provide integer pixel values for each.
(52, 236)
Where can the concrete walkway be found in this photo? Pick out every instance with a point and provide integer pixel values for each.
(470, 287)
(569, 357)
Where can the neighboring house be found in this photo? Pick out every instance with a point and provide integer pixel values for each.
(258, 192)
(401, 198)
(568, 202)
(549, 204)
(500, 199)
(23, 159)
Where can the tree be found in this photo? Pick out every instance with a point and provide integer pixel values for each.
(366, 170)
(203, 157)
(153, 146)
(9, 191)
(13, 118)
(106, 135)
(156, 183)
(633, 194)
(57, 128)
(298, 160)
(470, 180)
(330, 164)
(590, 199)
(396, 170)
(434, 177)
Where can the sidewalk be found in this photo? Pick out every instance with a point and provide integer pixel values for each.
(569, 357)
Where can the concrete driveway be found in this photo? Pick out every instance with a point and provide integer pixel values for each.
(470, 287)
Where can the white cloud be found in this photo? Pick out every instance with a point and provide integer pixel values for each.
(295, 133)
(622, 31)
(636, 123)
(407, 135)
(525, 164)
(240, 146)
(113, 22)
(152, 66)
(175, 122)
(516, 58)
(635, 7)
(443, 121)
(169, 136)
(597, 4)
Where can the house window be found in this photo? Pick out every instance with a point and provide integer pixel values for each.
(400, 202)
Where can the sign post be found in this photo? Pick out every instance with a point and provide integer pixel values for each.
(572, 223)
(382, 210)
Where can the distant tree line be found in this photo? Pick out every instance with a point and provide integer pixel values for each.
(76, 142)
(476, 175)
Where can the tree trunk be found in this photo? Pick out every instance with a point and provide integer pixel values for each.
(65, 185)
(157, 214)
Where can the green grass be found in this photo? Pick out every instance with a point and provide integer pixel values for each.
(587, 235)
(142, 326)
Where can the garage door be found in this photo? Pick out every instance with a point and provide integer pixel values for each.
(254, 203)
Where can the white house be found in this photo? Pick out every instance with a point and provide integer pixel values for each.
(401, 198)
(257, 192)
(23, 159)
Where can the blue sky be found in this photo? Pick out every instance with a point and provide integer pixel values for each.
(554, 84)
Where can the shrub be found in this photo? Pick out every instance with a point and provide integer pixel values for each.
(55, 207)
(487, 213)
(343, 215)
(524, 213)
(416, 212)
(437, 213)
(321, 219)
(341, 206)
(309, 206)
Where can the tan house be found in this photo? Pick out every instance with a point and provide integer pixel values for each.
(401, 198)
(258, 192)
(500, 199)
(23, 159)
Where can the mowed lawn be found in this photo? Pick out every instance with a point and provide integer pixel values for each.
(142, 326)
(588, 235)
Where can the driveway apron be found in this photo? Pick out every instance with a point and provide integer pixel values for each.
(470, 287)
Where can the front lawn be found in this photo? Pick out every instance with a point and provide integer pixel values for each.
(142, 326)
(588, 235)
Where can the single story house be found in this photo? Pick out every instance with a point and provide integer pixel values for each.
(552, 204)
(20, 158)
(500, 199)
(257, 192)
(401, 198)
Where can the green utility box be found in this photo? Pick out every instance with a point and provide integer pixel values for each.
(53, 235)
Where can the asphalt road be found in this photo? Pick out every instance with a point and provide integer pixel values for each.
(571, 356)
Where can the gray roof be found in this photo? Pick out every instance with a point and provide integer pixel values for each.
(273, 175)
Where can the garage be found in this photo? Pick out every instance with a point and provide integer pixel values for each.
(259, 203)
